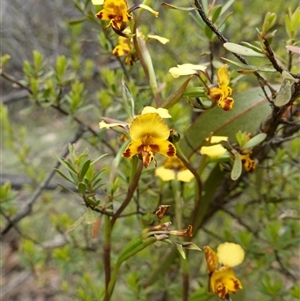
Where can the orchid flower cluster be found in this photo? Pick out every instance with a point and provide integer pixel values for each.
(149, 135)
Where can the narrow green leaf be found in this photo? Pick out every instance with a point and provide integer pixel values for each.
(176, 96)
(77, 223)
(99, 158)
(284, 95)
(216, 13)
(249, 67)
(90, 217)
(76, 21)
(236, 168)
(236, 48)
(170, 6)
(64, 163)
(81, 187)
(255, 140)
(64, 176)
(84, 169)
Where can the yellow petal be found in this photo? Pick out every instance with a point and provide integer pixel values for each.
(163, 147)
(132, 149)
(150, 124)
(155, 13)
(223, 76)
(216, 139)
(97, 2)
(213, 151)
(184, 175)
(186, 69)
(163, 113)
(165, 174)
(158, 38)
(104, 125)
(211, 258)
(230, 254)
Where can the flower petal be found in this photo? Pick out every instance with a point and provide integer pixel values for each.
(104, 125)
(148, 8)
(226, 103)
(184, 175)
(97, 2)
(132, 149)
(223, 76)
(213, 151)
(149, 124)
(158, 38)
(230, 254)
(211, 258)
(223, 281)
(163, 147)
(216, 139)
(186, 69)
(165, 174)
(163, 113)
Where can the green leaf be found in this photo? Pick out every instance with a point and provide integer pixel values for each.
(216, 13)
(76, 21)
(176, 96)
(250, 68)
(236, 168)
(77, 223)
(66, 164)
(90, 217)
(64, 176)
(81, 187)
(134, 246)
(84, 169)
(255, 140)
(249, 110)
(236, 48)
(170, 6)
(284, 95)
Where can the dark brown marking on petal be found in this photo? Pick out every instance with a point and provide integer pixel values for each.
(140, 148)
(171, 150)
(154, 147)
(127, 153)
(112, 16)
(99, 15)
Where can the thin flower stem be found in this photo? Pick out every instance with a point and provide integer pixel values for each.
(131, 189)
(179, 225)
(106, 250)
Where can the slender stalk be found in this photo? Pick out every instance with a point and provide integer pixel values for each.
(131, 189)
(106, 251)
(179, 225)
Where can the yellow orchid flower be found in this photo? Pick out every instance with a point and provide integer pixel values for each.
(222, 281)
(149, 135)
(172, 169)
(124, 48)
(248, 163)
(221, 94)
(114, 11)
